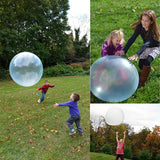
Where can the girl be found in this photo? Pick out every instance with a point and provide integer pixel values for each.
(148, 29)
(120, 146)
(113, 43)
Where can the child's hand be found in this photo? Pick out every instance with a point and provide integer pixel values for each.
(116, 132)
(119, 53)
(134, 57)
(124, 132)
(56, 105)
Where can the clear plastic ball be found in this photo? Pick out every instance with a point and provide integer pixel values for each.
(113, 79)
(26, 69)
(114, 116)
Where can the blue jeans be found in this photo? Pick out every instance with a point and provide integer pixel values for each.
(76, 119)
(43, 95)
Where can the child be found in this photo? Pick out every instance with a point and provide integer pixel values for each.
(74, 112)
(120, 146)
(113, 43)
(148, 29)
(44, 89)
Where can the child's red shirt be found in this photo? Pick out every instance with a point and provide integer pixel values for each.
(45, 87)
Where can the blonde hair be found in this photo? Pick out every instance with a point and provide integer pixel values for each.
(115, 33)
(153, 26)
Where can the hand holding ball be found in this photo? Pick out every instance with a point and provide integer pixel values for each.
(113, 78)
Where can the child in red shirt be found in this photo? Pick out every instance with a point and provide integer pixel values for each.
(120, 146)
(44, 89)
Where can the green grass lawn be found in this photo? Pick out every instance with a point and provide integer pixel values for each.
(113, 14)
(29, 130)
(102, 156)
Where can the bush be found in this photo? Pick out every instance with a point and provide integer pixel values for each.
(106, 148)
(158, 157)
(63, 70)
(84, 65)
(144, 155)
(92, 147)
(4, 74)
(128, 152)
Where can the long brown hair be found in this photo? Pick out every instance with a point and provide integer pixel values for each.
(153, 26)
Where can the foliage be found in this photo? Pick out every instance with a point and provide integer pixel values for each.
(63, 70)
(134, 142)
(127, 152)
(106, 148)
(145, 155)
(38, 131)
(158, 157)
(4, 74)
(35, 26)
(112, 15)
(153, 141)
(92, 147)
(80, 45)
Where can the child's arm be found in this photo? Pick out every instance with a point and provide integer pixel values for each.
(41, 88)
(51, 85)
(104, 50)
(117, 137)
(124, 136)
(63, 104)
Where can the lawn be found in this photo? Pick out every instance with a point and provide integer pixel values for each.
(38, 131)
(113, 14)
(102, 156)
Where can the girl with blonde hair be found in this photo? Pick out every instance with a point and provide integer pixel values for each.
(113, 43)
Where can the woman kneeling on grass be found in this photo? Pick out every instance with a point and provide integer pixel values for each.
(120, 146)
(148, 29)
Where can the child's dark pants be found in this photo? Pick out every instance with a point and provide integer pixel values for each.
(119, 156)
(76, 119)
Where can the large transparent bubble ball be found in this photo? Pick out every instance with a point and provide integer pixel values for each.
(26, 69)
(114, 116)
(113, 78)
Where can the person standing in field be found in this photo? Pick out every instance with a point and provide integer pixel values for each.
(120, 146)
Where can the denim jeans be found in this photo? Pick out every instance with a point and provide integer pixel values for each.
(43, 95)
(76, 119)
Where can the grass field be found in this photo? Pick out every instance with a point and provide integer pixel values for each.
(113, 14)
(102, 156)
(38, 131)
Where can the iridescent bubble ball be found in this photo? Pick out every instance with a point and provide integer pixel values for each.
(113, 78)
(26, 69)
(114, 116)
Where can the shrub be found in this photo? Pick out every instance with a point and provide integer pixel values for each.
(92, 147)
(64, 70)
(128, 152)
(106, 148)
(144, 155)
(158, 157)
(4, 74)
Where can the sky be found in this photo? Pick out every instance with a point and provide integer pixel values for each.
(79, 16)
(136, 115)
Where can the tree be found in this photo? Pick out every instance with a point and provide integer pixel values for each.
(81, 46)
(35, 26)
(153, 141)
